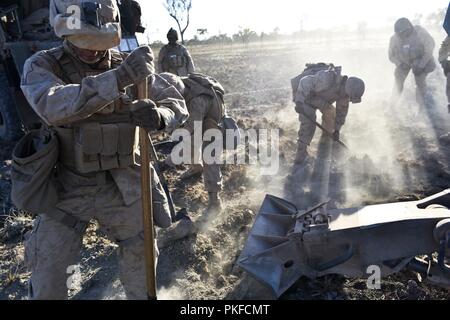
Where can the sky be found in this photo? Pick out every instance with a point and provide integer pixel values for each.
(227, 16)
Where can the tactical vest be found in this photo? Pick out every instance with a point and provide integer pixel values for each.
(173, 59)
(102, 142)
(411, 49)
(197, 85)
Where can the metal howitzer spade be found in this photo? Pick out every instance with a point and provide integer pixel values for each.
(286, 244)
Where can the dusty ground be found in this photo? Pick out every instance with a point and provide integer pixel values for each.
(398, 152)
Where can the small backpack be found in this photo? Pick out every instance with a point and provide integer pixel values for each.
(312, 69)
(200, 84)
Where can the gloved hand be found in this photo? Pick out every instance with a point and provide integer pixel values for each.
(143, 113)
(417, 68)
(136, 67)
(336, 135)
(446, 67)
(404, 66)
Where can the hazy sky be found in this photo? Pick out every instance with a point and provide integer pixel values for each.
(227, 16)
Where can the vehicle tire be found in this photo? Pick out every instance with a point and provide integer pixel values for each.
(10, 124)
(441, 229)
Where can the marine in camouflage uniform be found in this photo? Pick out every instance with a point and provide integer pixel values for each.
(319, 92)
(88, 102)
(174, 57)
(207, 110)
(444, 53)
(411, 48)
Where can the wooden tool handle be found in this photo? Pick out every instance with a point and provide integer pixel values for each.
(147, 202)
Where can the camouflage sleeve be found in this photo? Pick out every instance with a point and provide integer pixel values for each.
(310, 85)
(171, 105)
(444, 51)
(429, 44)
(393, 52)
(342, 107)
(58, 103)
(190, 62)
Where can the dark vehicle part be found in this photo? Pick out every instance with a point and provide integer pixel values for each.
(286, 243)
(10, 124)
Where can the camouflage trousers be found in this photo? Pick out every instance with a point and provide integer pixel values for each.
(52, 248)
(421, 84)
(308, 128)
(212, 176)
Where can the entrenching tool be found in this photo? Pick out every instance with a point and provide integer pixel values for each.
(183, 213)
(176, 216)
(327, 133)
(285, 243)
(147, 202)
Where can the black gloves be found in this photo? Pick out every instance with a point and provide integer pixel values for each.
(404, 66)
(144, 114)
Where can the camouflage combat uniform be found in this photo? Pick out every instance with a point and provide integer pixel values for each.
(73, 98)
(319, 92)
(176, 59)
(444, 53)
(413, 53)
(205, 110)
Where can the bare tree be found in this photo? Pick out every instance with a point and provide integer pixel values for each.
(179, 10)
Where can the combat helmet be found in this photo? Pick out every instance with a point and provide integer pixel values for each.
(174, 80)
(88, 24)
(172, 35)
(403, 27)
(355, 88)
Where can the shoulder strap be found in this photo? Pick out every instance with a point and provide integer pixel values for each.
(65, 67)
(56, 65)
(117, 58)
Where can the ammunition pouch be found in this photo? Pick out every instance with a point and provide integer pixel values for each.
(33, 172)
(175, 61)
(94, 146)
(34, 187)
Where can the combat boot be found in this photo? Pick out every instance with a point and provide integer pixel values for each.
(181, 230)
(194, 171)
(214, 204)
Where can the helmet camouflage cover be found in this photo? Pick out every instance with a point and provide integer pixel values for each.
(88, 24)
